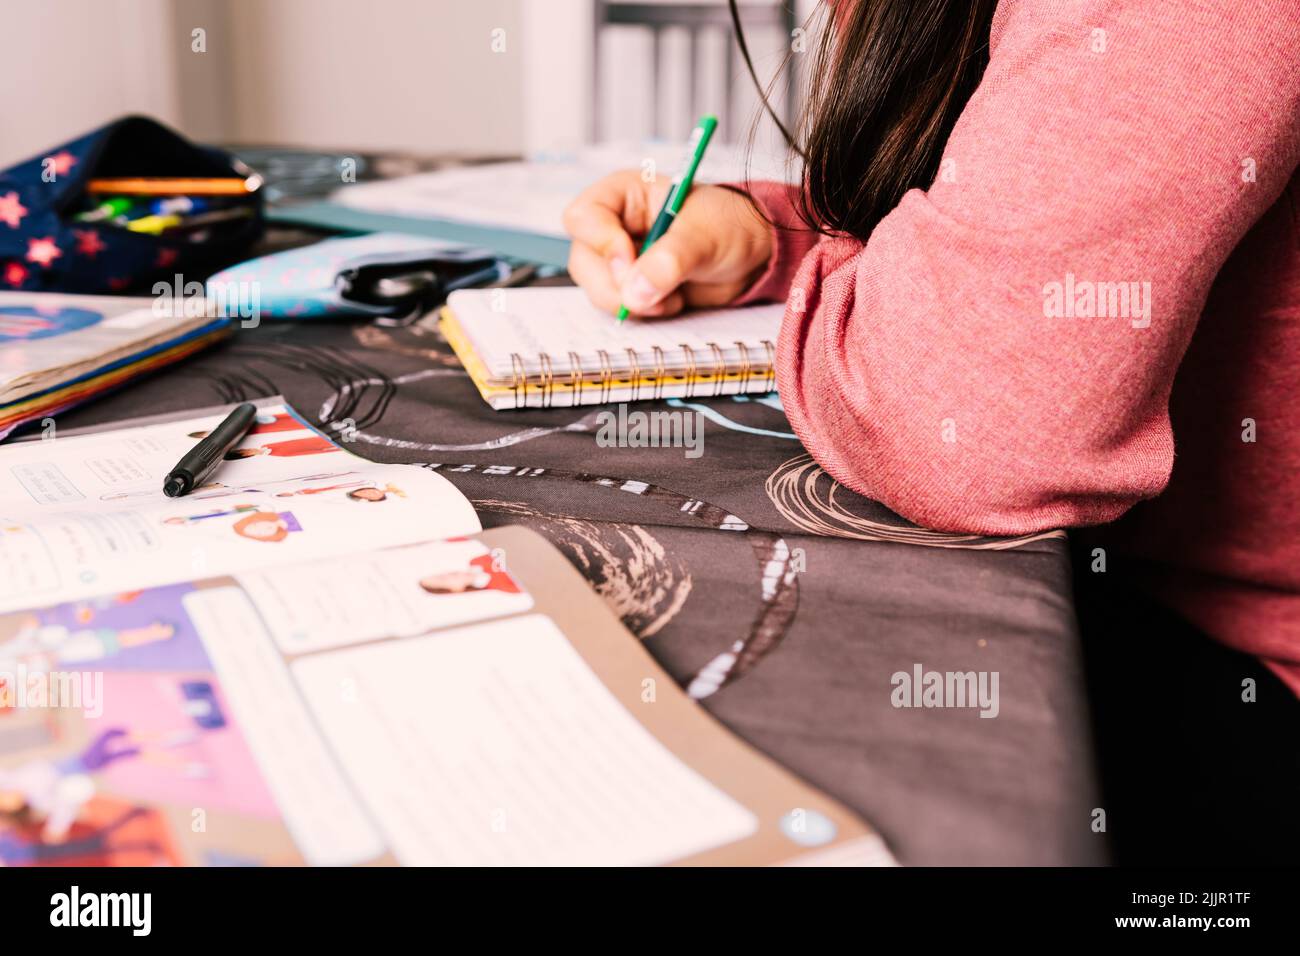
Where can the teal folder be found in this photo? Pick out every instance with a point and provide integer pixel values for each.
(508, 243)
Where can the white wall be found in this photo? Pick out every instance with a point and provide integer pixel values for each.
(414, 75)
(555, 42)
(70, 65)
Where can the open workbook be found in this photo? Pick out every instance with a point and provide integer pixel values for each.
(318, 659)
(544, 347)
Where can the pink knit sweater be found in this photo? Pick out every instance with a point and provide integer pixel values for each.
(1009, 351)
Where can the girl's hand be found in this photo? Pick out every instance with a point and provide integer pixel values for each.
(717, 246)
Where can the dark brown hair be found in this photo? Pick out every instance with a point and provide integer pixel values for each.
(888, 81)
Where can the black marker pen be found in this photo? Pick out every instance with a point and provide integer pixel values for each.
(201, 460)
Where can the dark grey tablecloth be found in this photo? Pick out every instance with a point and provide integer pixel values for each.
(747, 550)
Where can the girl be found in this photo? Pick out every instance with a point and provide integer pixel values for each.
(1038, 246)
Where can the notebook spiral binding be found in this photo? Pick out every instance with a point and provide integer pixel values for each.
(577, 379)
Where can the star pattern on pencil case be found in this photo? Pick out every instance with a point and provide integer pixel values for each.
(61, 162)
(43, 252)
(88, 242)
(15, 274)
(11, 210)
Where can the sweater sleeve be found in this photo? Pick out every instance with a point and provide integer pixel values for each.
(997, 358)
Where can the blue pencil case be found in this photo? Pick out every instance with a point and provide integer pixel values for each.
(45, 248)
(389, 277)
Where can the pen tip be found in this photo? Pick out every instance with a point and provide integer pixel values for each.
(622, 313)
(174, 486)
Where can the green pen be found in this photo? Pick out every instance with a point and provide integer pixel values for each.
(700, 137)
(110, 209)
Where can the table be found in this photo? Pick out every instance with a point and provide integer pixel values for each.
(819, 595)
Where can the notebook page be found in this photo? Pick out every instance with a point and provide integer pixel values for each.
(557, 321)
(496, 744)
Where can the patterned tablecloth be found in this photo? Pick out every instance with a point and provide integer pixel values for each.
(782, 600)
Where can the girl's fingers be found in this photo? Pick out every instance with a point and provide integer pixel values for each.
(667, 278)
(671, 304)
(591, 271)
(665, 266)
(602, 214)
(598, 280)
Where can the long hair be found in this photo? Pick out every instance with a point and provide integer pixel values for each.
(888, 81)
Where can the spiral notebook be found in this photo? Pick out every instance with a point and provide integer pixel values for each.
(550, 347)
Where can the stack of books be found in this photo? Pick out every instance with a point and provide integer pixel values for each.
(58, 350)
